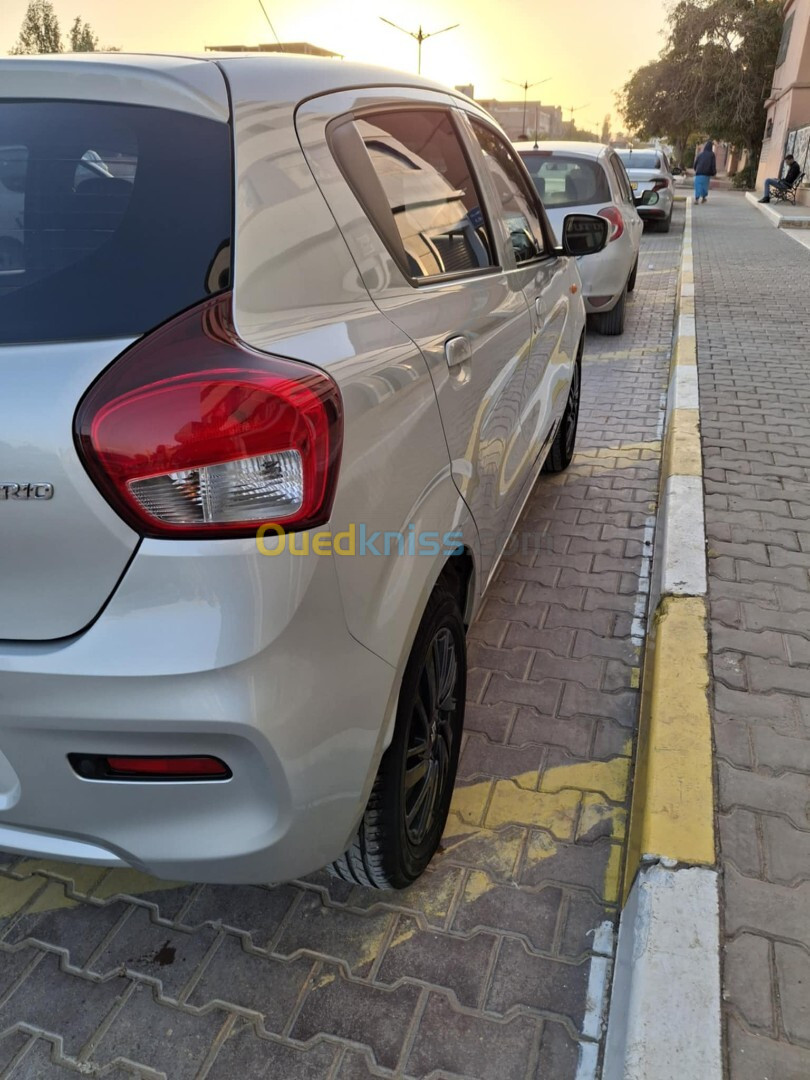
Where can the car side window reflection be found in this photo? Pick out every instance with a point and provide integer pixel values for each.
(421, 166)
(516, 197)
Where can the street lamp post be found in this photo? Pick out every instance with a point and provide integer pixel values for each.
(526, 86)
(419, 36)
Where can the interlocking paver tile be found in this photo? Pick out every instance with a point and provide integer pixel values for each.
(379, 1018)
(147, 950)
(165, 1039)
(322, 979)
(457, 963)
(245, 1054)
(538, 982)
(475, 1047)
(252, 981)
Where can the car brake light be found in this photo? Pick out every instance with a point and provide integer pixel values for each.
(659, 185)
(614, 216)
(117, 767)
(193, 434)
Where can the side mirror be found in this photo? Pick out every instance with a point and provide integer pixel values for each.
(647, 198)
(584, 234)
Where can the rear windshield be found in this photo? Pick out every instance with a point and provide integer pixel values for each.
(565, 180)
(112, 217)
(636, 159)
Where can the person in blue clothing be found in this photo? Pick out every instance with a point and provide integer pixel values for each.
(705, 168)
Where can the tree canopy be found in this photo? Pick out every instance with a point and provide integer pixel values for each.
(712, 77)
(40, 32)
(82, 38)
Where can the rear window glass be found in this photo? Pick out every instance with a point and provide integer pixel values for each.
(565, 180)
(112, 218)
(639, 160)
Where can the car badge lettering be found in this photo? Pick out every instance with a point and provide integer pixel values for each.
(10, 491)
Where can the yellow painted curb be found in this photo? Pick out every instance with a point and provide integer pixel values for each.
(682, 455)
(672, 812)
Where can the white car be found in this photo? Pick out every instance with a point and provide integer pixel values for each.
(589, 178)
(276, 384)
(649, 170)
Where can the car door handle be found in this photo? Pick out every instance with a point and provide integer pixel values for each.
(457, 351)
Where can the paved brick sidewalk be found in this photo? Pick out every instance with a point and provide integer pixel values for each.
(482, 969)
(753, 326)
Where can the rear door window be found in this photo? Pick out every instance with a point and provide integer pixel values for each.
(565, 180)
(420, 163)
(112, 217)
(516, 199)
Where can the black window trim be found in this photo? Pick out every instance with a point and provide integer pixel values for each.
(349, 151)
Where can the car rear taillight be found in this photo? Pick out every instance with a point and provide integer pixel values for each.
(193, 434)
(614, 216)
(659, 185)
(175, 767)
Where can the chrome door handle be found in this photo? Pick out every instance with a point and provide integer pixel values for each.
(457, 351)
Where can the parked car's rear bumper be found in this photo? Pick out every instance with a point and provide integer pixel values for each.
(243, 657)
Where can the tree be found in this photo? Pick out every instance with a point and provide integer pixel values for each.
(606, 129)
(656, 103)
(713, 75)
(39, 32)
(82, 38)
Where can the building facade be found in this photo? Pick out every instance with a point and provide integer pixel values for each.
(787, 122)
(540, 120)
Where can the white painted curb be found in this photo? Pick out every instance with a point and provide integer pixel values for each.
(665, 1022)
(683, 546)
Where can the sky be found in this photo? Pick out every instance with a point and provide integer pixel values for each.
(585, 48)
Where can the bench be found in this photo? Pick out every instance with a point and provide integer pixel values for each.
(785, 193)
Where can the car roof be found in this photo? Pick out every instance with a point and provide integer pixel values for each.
(582, 149)
(133, 77)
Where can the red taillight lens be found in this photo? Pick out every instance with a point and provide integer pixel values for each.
(175, 767)
(659, 185)
(614, 216)
(191, 433)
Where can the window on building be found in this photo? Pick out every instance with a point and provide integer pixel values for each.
(781, 56)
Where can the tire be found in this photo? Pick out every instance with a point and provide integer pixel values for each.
(664, 226)
(407, 809)
(611, 322)
(631, 281)
(562, 449)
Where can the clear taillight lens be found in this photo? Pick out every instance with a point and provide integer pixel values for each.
(270, 487)
(191, 433)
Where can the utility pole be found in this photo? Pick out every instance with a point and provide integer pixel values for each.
(572, 110)
(526, 86)
(419, 36)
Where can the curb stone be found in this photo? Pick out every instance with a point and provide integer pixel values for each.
(664, 1021)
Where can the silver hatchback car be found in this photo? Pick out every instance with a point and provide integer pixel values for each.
(277, 379)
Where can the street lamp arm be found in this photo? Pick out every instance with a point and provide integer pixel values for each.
(444, 30)
(410, 33)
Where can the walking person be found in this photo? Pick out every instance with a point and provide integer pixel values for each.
(705, 168)
(787, 181)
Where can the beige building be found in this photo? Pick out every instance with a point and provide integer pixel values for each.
(787, 125)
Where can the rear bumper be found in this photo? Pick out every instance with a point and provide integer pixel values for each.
(237, 655)
(606, 273)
